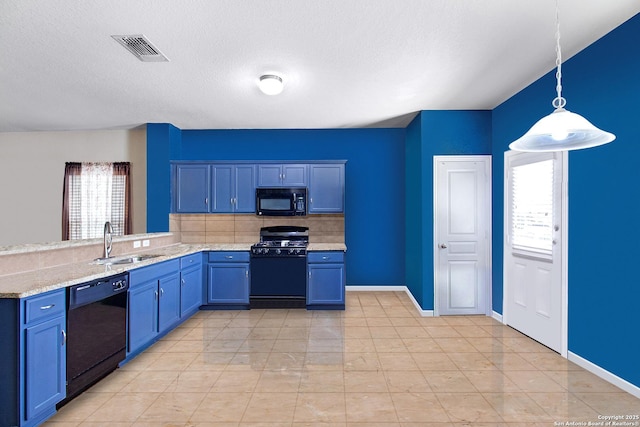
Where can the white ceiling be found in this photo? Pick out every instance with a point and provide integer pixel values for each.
(346, 63)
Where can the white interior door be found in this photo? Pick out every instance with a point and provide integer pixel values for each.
(535, 297)
(462, 231)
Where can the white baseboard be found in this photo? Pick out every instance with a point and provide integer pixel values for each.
(374, 288)
(423, 313)
(604, 374)
(497, 316)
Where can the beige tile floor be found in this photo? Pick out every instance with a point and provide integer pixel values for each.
(376, 364)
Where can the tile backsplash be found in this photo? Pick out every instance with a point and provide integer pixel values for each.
(245, 228)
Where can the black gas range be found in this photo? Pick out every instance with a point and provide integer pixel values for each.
(278, 266)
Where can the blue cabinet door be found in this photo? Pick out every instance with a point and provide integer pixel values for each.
(191, 290)
(168, 302)
(294, 175)
(143, 314)
(228, 283)
(192, 188)
(234, 188)
(279, 175)
(245, 189)
(326, 188)
(45, 366)
(269, 175)
(222, 188)
(326, 284)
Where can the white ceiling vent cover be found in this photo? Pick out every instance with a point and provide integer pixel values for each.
(141, 48)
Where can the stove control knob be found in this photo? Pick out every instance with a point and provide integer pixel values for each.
(278, 251)
(291, 250)
(265, 250)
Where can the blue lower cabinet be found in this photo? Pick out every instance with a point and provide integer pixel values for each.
(228, 280)
(191, 292)
(154, 303)
(33, 363)
(45, 369)
(143, 315)
(325, 280)
(168, 302)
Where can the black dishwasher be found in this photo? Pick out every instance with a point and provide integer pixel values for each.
(96, 331)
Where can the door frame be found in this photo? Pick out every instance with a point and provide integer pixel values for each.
(564, 253)
(486, 159)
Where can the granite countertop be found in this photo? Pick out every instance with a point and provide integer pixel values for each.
(35, 282)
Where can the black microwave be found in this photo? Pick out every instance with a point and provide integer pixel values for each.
(281, 201)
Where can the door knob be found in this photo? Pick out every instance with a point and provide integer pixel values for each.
(443, 246)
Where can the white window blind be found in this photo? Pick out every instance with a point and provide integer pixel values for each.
(532, 207)
(96, 196)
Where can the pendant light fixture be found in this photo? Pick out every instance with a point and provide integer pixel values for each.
(561, 130)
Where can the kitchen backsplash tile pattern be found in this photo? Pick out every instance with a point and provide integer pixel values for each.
(239, 228)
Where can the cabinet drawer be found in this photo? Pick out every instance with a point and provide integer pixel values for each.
(153, 271)
(190, 260)
(43, 306)
(229, 256)
(333, 256)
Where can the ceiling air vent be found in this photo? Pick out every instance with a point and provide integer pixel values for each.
(141, 48)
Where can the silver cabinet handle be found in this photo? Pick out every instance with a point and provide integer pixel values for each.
(206, 200)
(183, 282)
(443, 246)
(246, 273)
(228, 256)
(64, 337)
(155, 295)
(161, 292)
(309, 273)
(47, 307)
(325, 258)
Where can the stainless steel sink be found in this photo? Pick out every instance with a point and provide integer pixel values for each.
(125, 260)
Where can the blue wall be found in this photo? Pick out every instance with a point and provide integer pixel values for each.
(374, 218)
(601, 83)
(434, 133)
(162, 142)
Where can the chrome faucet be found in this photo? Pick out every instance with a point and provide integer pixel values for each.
(108, 239)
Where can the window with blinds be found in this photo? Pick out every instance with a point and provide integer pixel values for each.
(95, 193)
(532, 208)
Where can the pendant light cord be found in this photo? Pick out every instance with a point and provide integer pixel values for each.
(559, 101)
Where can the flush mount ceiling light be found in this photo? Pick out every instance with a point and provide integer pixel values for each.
(271, 84)
(561, 130)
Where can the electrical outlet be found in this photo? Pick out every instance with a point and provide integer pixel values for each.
(136, 244)
(145, 243)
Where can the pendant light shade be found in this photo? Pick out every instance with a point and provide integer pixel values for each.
(561, 130)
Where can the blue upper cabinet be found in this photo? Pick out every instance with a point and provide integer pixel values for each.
(245, 188)
(192, 188)
(326, 188)
(222, 185)
(282, 175)
(233, 188)
(214, 188)
(228, 187)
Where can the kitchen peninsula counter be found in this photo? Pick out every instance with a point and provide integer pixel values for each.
(37, 281)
